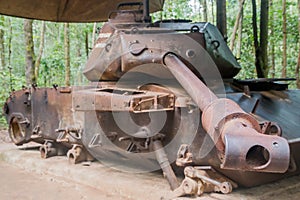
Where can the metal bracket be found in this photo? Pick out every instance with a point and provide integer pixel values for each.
(36, 133)
(96, 141)
(202, 179)
(271, 128)
(63, 136)
(184, 156)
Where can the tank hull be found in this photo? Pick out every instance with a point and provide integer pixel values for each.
(49, 111)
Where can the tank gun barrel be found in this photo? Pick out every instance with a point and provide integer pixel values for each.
(237, 135)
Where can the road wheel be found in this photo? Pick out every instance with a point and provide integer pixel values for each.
(16, 133)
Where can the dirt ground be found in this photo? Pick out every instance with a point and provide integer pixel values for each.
(24, 175)
(4, 137)
(16, 183)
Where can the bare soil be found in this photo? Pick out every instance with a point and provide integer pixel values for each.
(16, 183)
(4, 137)
(23, 175)
(20, 184)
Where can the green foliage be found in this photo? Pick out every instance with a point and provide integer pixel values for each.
(51, 69)
(3, 94)
(179, 9)
(247, 57)
(8, 82)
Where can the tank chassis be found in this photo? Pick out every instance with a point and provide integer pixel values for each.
(87, 122)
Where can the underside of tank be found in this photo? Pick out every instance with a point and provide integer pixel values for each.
(162, 96)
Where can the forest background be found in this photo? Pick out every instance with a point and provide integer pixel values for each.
(48, 53)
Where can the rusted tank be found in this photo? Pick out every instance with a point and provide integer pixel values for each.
(163, 96)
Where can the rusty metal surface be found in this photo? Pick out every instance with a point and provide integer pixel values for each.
(118, 99)
(17, 110)
(135, 44)
(276, 106)
(237, 135)
(192, 84)
(52, 96)
(153, 99)
(203, 179)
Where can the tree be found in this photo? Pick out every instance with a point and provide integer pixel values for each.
(298, 61)
(261, 48)
(297, 71)
(30, 58)
(41, 50)
(221, 17)
(86, 44)
(264, 14)
(240, 33)
(10, 35)
(272, 42)
(94, 34)
(2, 50)
(212, 12)
(204, 6)
(255, 38)
(236, 24)
(284, 34)
(67, 54)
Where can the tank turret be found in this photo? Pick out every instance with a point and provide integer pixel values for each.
(125, 41)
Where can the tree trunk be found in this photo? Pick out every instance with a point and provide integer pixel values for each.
(261, 48)
(284, 34)
(29, 46)
(255, 40)
(254, 24)
(272, 44)
(236, 24)
(221, 17)
(78, 77)
(87, 44)
(9, 42)
(94, 34)
(212, 12)
(9, 39)
(264, 18)
(67, 54)
(298, 63)
(41, 49)
(2, 49)
(204, 5)
(240, 35)
(297, 69)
